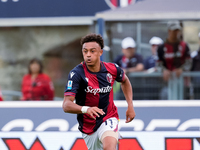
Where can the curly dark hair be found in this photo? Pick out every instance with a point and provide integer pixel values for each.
(35, 60)
(92, 37)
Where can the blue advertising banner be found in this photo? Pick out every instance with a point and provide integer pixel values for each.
(50, 8)
(159, 125)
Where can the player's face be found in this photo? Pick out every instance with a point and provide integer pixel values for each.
(154, 49)
(35, 67)
(91, 53)
(129, 52)
(174, 34)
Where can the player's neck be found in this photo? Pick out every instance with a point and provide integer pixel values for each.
(94, 68)
(34, 75)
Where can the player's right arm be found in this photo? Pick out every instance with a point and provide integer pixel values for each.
(74, 80)
(127, 90)
(70, 107)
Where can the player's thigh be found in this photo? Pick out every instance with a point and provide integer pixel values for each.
(109, 128)
(109, 140)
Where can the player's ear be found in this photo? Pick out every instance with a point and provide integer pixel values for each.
(101, 52)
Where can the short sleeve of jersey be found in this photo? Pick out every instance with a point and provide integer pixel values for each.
(120, 74)
(118, 59)
(73, 83)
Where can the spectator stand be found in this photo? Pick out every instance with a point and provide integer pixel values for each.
(150, 86)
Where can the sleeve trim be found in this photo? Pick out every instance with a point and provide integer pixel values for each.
(69, 94)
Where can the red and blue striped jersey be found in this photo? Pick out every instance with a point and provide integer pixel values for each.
(94, 89)
(173, 55)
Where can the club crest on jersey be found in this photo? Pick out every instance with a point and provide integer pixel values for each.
(72, 74)
(69, 84)
(109, 77)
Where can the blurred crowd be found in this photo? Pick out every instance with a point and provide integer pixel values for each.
(36, 85)
(169, 56)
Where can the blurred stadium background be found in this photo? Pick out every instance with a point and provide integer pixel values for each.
(51, 30)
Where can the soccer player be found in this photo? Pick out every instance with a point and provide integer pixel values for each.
(90, 84)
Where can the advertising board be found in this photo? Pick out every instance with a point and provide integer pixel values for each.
(159, 125)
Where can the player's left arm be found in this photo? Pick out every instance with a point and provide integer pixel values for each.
(127, 90)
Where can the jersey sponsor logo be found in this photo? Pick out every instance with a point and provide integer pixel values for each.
(69, 84)
(109, 77)
(169, 55)
(72, 74)
(172, 55)
(98, 90)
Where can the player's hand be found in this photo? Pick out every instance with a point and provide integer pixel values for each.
(130, 114)
(166, 74)
(95, 112)
(178, 72)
